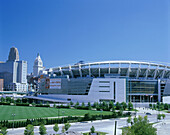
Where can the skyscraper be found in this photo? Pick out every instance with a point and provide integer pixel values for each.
(14, 72)
(13, 54)
(38, 66)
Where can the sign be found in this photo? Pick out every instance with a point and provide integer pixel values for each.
(55, 83)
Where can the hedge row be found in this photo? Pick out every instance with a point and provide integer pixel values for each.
(40, 105)
(22, 104)
(4, 103)
(69, 119)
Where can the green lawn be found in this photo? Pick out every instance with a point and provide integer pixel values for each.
(22, 112)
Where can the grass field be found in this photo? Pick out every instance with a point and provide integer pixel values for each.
(22, 112)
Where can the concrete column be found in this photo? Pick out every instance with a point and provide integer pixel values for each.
(159, 90)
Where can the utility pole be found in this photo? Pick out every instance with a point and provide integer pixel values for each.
(115, 127)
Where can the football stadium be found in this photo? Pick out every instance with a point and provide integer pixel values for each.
(117, 81)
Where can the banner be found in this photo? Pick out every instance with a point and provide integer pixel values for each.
(55, 83)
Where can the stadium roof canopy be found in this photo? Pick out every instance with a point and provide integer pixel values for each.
(132, 69)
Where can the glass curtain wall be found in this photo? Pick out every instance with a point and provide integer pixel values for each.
(142, 91)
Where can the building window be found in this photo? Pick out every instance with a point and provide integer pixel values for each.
(104, 81)
(104, 86)
(114, 89)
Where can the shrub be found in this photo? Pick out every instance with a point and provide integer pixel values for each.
(41, 105)
(29, 130)
(87, 116)
(42, 130)
(22, 104)
(130, 106)
(4, 103)
(92, 129)
(4, 131)
(67, 126)
(56, 128)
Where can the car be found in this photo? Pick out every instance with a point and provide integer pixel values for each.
(148, 113)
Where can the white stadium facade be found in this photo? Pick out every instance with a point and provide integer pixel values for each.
(118, 81)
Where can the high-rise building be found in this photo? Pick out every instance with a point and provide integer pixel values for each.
(38, 66)
(1, 84)
(14, 72)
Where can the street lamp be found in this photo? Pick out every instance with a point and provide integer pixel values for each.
(13, 115)
(101, 113)
(58, 114)
(63, 116)
(135, 104)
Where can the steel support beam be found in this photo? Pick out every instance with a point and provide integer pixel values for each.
(61, 70)
(138, 71)
(129, 70)
(89, 71)
(80, 70)
(71, 72)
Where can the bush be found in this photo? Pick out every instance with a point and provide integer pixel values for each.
(130, 106)
(4, 131)
(140, 126)
(92, 129)
(29, 130)
(42, 130)
(22, 104)
(40, 105)
(67, 126)
(4, 103)
(56, 128)
(87, 116)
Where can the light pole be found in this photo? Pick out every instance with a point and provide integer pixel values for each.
(101, 113)
(63, 116)
(13, 120)
(58, 114)
(134, 104)
(115, 127)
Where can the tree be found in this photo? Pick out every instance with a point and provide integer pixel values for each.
(92, 129)
(94, 105)
(67, 126)
(2, 99)
(71, 103)
(8, 99)
(87, 116)
(118, 106)
(54, 105)
(56, 128)
(163, 116)
(89, 104)
(29, 130)
(129, 120)
(82, 105)
(140, 127)
(159, 116)
(42, 130)
(130, 106)
(150, 105)
(18, 100)
(166, 106)
(76, 105)
(4, 131)
(63, 129)
(111, 105)
(124, 105)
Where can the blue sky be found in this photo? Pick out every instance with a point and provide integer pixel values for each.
(67, 31)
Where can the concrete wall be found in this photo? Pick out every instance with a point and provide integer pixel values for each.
(102, 89)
